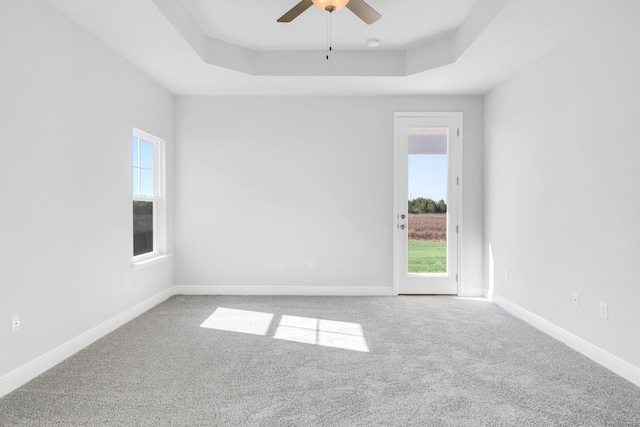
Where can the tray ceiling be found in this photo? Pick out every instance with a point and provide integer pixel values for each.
(188, 53)
(252, 23)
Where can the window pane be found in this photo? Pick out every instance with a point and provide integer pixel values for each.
(146, 154)
(136, 180)
(146, 182)
(427, 198)
(142, 227)
(134, 151)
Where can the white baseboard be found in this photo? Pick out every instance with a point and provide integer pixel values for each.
(39, 365)
(285, 290)
(625, 369)
(471, 292)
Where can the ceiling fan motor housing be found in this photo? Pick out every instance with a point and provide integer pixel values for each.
(359, 7)
(330, 5)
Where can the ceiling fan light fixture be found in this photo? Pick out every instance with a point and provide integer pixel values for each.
(330, 5)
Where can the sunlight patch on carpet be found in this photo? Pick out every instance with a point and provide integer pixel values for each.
(248, 322)
(306, 330)
(327, 333)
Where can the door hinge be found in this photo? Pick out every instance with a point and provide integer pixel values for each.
(456, 229)
(458, 181)
(456, 277)
(458, 131)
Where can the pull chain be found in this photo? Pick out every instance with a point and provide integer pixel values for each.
(329, 32)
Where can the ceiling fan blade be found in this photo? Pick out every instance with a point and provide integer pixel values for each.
(295, 11)
(363, 11)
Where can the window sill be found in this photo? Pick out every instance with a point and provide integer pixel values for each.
(148, 262)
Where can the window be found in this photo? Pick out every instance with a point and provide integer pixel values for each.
(148, 196)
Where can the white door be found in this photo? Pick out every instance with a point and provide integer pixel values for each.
(428, 151)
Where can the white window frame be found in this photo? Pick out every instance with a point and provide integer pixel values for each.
(159, 201)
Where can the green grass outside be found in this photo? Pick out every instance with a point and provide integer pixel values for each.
(427, 257)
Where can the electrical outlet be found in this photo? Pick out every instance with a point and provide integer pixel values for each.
(15, 323)
(604, 310)
(506, 274)
(280, 263)
(309, 263)
(576, 299)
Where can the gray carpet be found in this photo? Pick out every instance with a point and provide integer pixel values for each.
(432, 361)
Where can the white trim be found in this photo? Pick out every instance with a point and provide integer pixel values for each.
(148, 262)
(471, 292)
(40, 364)
(396, 214)
(625, 369)
(487, 293)
(25, 373)
(286, 290)
(21, 375)
(459, 191)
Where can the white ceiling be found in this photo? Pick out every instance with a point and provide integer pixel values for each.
(252, 24)
(513, 34)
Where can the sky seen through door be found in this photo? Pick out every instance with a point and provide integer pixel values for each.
(427, 163)
(427, 176)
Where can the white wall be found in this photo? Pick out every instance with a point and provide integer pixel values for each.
(295, 178)
(561, 184)
(67, 108)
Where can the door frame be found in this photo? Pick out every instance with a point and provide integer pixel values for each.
(396, 190)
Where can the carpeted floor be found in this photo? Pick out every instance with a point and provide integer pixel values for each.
(325, 361)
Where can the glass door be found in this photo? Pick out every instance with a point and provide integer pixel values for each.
(426, 204)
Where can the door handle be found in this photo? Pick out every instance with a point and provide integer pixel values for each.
(402, 227)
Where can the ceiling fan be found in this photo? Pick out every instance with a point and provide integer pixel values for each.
(359, 7)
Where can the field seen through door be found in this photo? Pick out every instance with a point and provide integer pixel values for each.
(427, 245)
